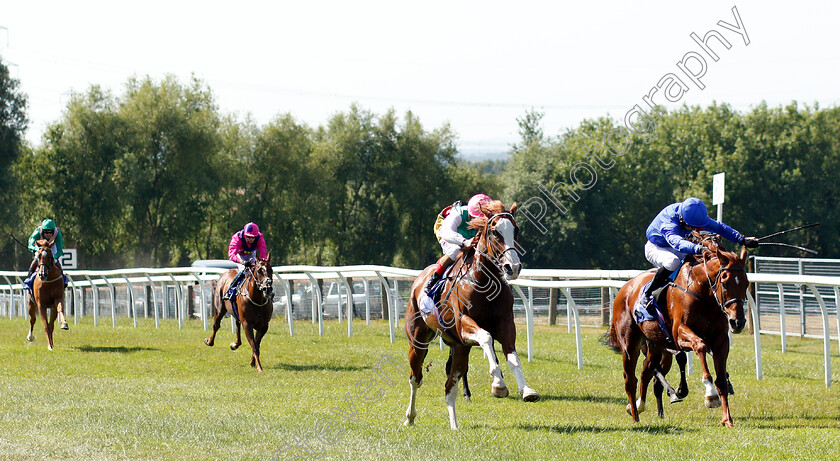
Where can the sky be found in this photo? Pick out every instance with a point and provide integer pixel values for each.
(477, 66)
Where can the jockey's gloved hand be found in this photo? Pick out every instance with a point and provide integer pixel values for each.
(750, 242)
(248, 263)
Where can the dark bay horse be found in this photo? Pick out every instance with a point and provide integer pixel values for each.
(706, 304)
(47, 292)
(253, 306)
(476, 308)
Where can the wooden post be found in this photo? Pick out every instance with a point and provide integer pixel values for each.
(605, 306)
(149, 303)
(82, 302)
(190, 302)
(553, 294)
(386, 301)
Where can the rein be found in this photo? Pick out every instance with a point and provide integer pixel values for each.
(496, 260)
(41, 264)
(712, 287)
(245, 292)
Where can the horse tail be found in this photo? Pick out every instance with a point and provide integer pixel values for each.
(610, 339)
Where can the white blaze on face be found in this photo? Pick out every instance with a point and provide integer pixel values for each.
(511, 257)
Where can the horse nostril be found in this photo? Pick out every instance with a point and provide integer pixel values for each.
(508, 269)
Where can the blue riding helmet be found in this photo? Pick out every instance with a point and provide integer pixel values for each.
(694, 213)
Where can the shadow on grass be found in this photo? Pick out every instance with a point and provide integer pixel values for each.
(572, 429)
(586, 398)
(791, 421)
(293, 367)
(117, 349)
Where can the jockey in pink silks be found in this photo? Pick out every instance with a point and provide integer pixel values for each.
(245, 247)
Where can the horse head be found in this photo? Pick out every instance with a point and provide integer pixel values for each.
(264, 276)
(44, 257)
(497, 235)
(730, 285)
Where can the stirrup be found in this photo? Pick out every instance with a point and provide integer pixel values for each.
(650, 305)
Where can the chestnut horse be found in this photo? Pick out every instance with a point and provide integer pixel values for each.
(476, 307)
(47, 293)
(706, 303)
(253, 308)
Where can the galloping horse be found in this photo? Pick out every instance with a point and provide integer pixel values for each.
(706, 303)
(476, 307)
(47, 293)
(253, 308)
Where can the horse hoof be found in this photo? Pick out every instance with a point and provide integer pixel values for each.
(207, 342)
(530, 395)
(500, 392)
(30, 337)
(234, 346)
(49, 348)
(64, 326)
(712, 402)
(408, 423)
(676, 398)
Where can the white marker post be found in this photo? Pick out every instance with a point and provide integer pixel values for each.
(717, 193)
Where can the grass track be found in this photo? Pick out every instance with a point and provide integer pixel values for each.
(141, 393)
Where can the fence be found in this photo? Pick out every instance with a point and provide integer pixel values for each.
(316, 293)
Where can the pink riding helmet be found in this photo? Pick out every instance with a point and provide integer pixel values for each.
(251, 230)
(472, 205)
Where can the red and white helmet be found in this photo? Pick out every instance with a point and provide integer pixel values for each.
(472, 205)
(251, 230)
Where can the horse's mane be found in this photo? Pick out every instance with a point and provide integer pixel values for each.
(489, 208)
(713, 243)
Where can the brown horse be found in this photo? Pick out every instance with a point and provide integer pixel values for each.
(47, 292)
(253, 306)
(476, 307)
(706, 303)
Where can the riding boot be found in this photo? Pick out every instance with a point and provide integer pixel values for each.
(432, 281)
(659, 280)
(30, 277)
(233, 285)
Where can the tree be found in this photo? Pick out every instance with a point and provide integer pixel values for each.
(13, 123)
(168, 170)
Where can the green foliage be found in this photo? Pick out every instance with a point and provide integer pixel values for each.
(157, 176)
(779, 166)
(13, 123)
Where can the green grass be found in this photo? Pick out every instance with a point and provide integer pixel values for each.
(129, 393)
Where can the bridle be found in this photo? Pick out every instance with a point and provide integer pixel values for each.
(44, 268)
(713, 286)
(496, 260)
(265, 287)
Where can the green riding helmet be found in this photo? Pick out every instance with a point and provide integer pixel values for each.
(48, 224)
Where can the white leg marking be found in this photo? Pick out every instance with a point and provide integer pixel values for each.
(525, 391)
(450, 404)
(712, 399)
(411, 412)
(640, 406)
(484, 340)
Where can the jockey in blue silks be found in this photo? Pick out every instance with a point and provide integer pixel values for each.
(667, 246)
